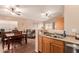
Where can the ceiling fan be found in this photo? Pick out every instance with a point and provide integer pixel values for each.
(15, 10)
(46, 14)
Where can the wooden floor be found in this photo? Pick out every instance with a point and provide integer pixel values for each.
(25, 48)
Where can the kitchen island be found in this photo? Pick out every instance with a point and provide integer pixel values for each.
(50, 44)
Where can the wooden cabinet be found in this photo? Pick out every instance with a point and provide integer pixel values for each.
(59, 23)
(57, 46)
(58, 49)
(46, 45)
(40, 43)
(50, 45)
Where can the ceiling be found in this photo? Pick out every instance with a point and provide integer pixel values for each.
(33, 12)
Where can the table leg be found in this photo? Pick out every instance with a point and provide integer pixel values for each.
(8, 45)
(26, 40)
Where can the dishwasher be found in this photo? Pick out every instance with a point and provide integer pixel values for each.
(71, 48)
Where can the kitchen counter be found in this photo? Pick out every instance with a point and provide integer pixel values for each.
(66, 39)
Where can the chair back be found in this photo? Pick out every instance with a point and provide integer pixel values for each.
(18, 33)
(3, 36)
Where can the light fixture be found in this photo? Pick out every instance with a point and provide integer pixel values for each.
(46, 14)
(14, 9)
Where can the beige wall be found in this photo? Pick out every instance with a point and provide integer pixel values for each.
(71, 18)
(22, 23)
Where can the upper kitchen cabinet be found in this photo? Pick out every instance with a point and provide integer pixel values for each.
(59, 23)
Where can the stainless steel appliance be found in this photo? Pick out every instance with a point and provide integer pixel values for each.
(71, 48)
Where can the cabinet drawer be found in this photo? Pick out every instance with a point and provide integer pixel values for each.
(58, 42)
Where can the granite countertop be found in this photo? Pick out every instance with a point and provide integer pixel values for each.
(66, 39)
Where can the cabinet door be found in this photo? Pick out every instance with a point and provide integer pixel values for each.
(58, 49)
(52, 48)
(59, 23)
(46, 45)
(57, 46)
(40, 44)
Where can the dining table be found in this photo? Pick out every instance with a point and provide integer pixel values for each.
(11, 37)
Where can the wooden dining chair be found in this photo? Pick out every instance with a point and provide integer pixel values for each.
(17, 38)
(25, 38)
(4, 40)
